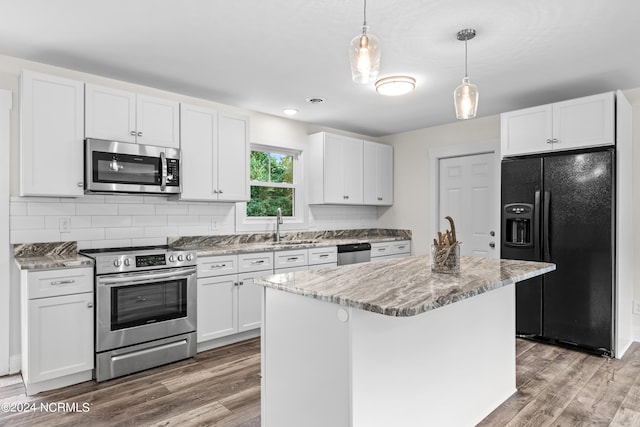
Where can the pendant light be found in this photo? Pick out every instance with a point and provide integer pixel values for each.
(364, 54)
(466, 95)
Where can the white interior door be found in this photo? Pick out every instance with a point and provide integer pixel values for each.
(467, 194)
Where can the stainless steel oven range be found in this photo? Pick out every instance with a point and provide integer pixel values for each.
(145, 308)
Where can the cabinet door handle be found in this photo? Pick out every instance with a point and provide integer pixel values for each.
(401, 247)
(324, 256)
(549, 141)
(89, 305)
(63, 282)
(132, 133)
(80, 184)
(293, 258)
(555, 140)
(241, 282)
(382, 249)
(220, 191)
(258, 261)
(139, 133)
(380, 198)
(215, 191)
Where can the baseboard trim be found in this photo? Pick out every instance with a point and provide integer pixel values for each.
(636, 334)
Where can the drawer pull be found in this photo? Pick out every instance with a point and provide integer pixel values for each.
(401, 247)
(218, 266)
(324, 256)
(63, 282)
(382, 249)
(293, 258)
(258, 261)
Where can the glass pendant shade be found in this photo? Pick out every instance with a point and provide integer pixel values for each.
(466, 99)
(364, 55)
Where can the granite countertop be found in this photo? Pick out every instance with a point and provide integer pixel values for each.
(35, 256)
(406, 286)
(247, 243)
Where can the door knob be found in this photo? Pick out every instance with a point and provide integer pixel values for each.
(492, 244)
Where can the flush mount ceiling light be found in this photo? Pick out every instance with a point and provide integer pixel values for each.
(290, 111)
(364, 54)
(395, 85)
(466, 95)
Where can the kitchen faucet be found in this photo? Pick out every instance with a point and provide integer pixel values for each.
(278, 222)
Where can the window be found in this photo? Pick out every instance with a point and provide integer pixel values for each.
(275, 179)
(272, 184)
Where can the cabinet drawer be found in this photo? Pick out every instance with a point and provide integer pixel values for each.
(255, 262)
(50, 283)
(292, 258)
(323, 255)
(390, 248)
(217, 265)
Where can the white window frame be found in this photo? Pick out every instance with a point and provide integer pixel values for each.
(268, 224)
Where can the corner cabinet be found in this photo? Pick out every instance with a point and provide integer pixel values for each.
(335, 170)
(51, 136)
(57, 328)
(215, 155)
(378, 174)
(349, 171)
(577, 123)
(120, 115)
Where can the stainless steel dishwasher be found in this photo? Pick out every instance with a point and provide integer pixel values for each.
(354, 253)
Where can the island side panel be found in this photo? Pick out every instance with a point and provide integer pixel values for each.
(450, 366)
(305, 362)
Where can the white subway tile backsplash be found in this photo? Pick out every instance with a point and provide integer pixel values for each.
(27, 222)
(97, 209)
(50, 208)
(124, 233)
(100, 221)
(136, 209)
(111, 221)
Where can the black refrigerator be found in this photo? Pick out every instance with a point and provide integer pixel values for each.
(560, 208)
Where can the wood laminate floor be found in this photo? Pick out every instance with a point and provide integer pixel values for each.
(221, 387)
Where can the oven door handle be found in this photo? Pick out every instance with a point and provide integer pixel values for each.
(135, 279)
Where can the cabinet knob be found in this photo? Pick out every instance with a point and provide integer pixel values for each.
(492, 244)
(89, 305)
(220, 191)
(139, 133)
(555, 140)
(241, 282)
(215, 191)
(132, 133)
(549, 141)
(80, 184)
(492, 233)
(380, 198)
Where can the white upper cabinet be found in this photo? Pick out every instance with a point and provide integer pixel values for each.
(378, 174)
(120, 115)
(335, 170)
(577, 123)
(51, 136)
(215, 155)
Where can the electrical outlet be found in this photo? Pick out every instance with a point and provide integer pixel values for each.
(64, 225)
(214, 225)
(636, 307)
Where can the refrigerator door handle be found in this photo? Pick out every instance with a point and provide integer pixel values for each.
(545, 222)
(536, 225)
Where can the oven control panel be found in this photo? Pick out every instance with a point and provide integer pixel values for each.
(121, 262)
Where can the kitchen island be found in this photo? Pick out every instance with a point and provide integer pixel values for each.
(390, 343)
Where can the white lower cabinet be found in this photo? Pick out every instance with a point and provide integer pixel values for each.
(228, 300)
(323, 257)
(57, 328)
(388, 250)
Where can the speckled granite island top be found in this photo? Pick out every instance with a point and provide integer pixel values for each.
(405, 286)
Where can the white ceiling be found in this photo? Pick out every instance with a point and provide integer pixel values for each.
(265, 55)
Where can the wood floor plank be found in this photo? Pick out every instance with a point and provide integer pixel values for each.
(221, 388)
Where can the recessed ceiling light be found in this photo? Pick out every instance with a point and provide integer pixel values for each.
(395, 85)
(315, 100)
(290, 111)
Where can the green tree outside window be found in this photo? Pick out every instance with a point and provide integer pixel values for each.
(272, 185)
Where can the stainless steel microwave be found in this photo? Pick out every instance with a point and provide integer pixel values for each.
(123, 167)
